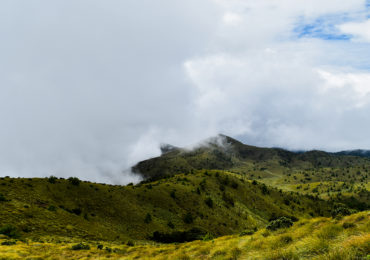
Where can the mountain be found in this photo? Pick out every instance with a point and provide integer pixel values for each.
(327, 175)
(242, 201)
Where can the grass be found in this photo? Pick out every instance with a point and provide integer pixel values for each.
(317, 238)
(219, 202)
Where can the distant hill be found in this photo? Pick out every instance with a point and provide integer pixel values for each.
(342, 175)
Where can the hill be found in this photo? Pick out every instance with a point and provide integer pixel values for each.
(336, 176)
(216, 202)
(232, 200)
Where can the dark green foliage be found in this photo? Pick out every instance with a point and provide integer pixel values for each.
(234, 185)
(173, 194)
(74, 181)
(348, 225)
(8, 243)
(81, 246)
(208, 237)
(130, 243)
(264, 189)
(170, 225)
(178, 236)
(228, 199)
(341, 210)
(52, 179)
(148, 218)
(209, 202)
(188, 218)
(282, 222)
(100, 247)
(76, 211)
(10, 231)
(2, 198)
(52, 208)
(248, 232)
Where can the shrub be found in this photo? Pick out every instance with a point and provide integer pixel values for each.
(80, 246)
(74, 181)
(76, 211)
(130, 243)
(207, 237)
(248, 232)
(228, 199)
(100, 246)
(173, 194)
(52, 208)
(10, 231)
(234, 185)
(348, 225)
(188, 218)
(209, 202)
(148, 218)
(2, 197)
(52, 179)
(170, 225)
(282, 222)
(8, 243)
(178, 236)
(341, 210)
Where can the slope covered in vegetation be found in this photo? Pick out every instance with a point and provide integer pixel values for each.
(215, 202)
(317, 238)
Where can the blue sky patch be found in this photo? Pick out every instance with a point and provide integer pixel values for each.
(323, 28)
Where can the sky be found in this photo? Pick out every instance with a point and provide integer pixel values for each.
(88, 88)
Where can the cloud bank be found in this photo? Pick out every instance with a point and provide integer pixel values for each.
(88, 88)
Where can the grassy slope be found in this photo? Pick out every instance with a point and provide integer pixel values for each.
(110, 212)
(318, 238)
(274, 167)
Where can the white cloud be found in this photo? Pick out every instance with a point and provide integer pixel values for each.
(360, 30)
(87, 88)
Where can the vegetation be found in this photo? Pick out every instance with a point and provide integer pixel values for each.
(316, 238)
(224, 200)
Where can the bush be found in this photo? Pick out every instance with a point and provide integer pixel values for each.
(80, 246)
(178, 236)
(348, 225)
(228, 199)
(282, 222)
(248, 232)
(52, 179)
(74, 181)
(8, 243)
(52, 208)
(209, 202)
(188, 218)
(130, 243)
(148, 218)
(170, 225)
(340, 210)
(2, 198)
(10, 231)
(76, 211)
(207, 237)
(100, 246)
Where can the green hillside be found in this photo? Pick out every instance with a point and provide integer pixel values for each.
(338, 176)
(233, 200)
(217, 202)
